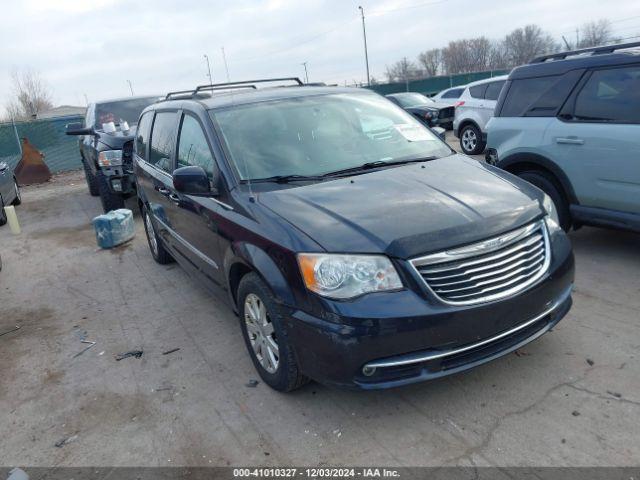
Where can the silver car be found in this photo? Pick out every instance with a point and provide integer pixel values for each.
(9, 190)
(473, 110)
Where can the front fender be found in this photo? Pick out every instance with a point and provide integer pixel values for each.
(256, 259)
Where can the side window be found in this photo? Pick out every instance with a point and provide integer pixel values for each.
(193, 148)
(162, 137)
(478, 91)
(523, 93)
(142, 135)
(493, 90)
(454, 93)
(611, 95)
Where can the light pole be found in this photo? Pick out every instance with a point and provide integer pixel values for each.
(366, 54)
(226, 67)
(306, 73)
(208, 69)
(130, 87)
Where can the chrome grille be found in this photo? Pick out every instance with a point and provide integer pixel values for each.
(488, 270)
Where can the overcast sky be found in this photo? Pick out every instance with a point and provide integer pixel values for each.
(93, 47)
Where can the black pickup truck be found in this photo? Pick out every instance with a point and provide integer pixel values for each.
(106, 146)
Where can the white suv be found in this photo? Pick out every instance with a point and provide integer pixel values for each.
(473, 110)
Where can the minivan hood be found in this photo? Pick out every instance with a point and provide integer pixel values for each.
(411, 209)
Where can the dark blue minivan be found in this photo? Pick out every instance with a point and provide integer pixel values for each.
(356, 247)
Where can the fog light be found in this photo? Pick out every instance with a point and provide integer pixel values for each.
(368, 371)
(116, 185)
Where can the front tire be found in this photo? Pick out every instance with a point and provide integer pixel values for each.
(549, 186)
(92, 181)
(110, 201)
(471, 140)
(158, 252)
(263, 329)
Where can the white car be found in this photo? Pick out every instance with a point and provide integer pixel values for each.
(473, 110)
(450, 95)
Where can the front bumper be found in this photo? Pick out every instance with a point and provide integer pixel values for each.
(120, 181)
(391, 339)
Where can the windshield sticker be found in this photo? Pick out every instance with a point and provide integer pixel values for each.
(413, 133)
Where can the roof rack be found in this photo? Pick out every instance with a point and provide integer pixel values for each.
(230, 86)
(593, 50)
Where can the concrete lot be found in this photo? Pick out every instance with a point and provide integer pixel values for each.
(570, 398)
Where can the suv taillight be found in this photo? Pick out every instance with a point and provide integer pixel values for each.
(459, 104)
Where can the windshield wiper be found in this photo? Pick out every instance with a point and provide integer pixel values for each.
(286, 178)
(377, 164)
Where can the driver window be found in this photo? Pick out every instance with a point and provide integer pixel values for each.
(193, 149)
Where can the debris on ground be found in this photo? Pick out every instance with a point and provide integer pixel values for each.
(132, 353)
(61, 443)
(590, 362)
(91, 344)
(615, 394)
(252, 383)
(575, 413)
(162, 389)
(114, 228)
(170, 351)
(17, 327)
(521, 353)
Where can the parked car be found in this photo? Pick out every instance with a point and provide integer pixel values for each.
(9, 191)
(569, 123)
(106, 143)
(450, 95)
(424, 109)
(473, 110)
(357, 248)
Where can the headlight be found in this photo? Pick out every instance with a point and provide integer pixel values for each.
(110, 158)
(347, 276)
(553, 221)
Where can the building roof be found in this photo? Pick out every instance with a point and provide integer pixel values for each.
(62, 111)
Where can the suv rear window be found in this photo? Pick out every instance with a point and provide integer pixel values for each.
(493, 90)
(478, 90)
(611, 95)
(453, 93)
(523, 93)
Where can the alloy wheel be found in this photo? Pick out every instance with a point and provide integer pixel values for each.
(261, 333)
(469, 140)
(151, 234)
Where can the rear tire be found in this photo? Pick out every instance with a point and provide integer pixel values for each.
(92, 181)
(158, 252)
(471, 141)
(110, 201)
(18, 200)
(549, 186)
(3, 215)
(266, 333)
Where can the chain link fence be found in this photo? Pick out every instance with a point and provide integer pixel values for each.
(61, 152)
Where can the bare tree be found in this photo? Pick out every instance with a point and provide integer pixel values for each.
(402, 71)
(468, 55)
(523, 44)
(30, 95)
(431, 61)
(595, 33)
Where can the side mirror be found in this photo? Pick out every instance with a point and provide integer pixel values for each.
(192, 181)
(440, 132)
(78, 129)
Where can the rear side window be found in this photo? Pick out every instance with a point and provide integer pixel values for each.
(162, 138)
(611, 95)
(453, 93)
(478, 90)
(493, 90)
(523, 93)
(142, 135)
(193, 149)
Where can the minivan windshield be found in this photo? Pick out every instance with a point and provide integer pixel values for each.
(121, 111)
(320, 134)
(412, 99)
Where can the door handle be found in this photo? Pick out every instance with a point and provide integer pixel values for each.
(163, 191)
(173, 197)
(570, 140)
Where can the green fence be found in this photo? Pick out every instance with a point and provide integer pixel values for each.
(433, 85)
(61, 152)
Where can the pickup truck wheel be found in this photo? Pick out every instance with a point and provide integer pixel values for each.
(18, 200)
(158, 252)
(3, 215)
(110, 201)
(92, 181)
(471, 140)
(262, 323)
(548, 185)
